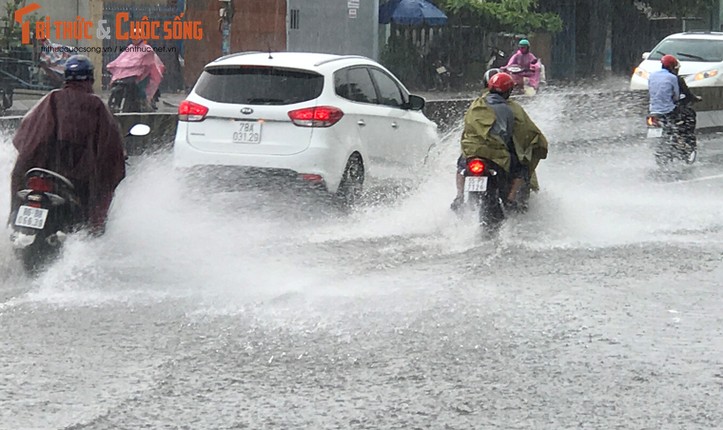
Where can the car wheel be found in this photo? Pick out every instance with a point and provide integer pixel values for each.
(352, 182)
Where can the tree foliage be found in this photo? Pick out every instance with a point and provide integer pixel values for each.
(11, 32)
(503, 15)
(678, 8)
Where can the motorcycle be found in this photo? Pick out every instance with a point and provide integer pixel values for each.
(485, 184)
(673, 140)
(125, 96)
(136, 62)
(497, 59)
(527, 82)
(50, 210)
(444, 76)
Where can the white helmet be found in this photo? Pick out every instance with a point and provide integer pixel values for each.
(488, 75)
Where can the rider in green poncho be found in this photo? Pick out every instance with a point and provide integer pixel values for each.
(499, 130)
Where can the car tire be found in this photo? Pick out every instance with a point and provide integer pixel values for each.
(352, 182)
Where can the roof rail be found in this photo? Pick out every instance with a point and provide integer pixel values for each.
(342, 57)
(237, 54)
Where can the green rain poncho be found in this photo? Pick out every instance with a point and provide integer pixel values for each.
(530, 143)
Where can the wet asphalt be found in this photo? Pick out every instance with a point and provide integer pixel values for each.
(600, 308)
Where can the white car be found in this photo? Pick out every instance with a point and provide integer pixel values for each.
(700, 56)
(342, 122)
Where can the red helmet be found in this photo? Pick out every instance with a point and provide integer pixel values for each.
(501, 83)
(669, 62)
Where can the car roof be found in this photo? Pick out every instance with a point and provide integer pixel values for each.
(697, 35)
(297, 60)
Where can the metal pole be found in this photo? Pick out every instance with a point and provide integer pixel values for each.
(226, 17)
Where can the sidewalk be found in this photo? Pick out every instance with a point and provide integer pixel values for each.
(24, 101)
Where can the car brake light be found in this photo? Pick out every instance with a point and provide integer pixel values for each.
(190, 111)
(476, 166)
(311, 178)
(319, 116)
(38, 184)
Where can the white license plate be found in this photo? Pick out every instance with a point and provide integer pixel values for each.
(31, 217)
(248, 132)
(655, 132)
(475, 184)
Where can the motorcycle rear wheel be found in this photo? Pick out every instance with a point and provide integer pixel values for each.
(36, 257)
(489, 208)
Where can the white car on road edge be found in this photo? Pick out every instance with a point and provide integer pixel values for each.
(700, 56)
(341, 122)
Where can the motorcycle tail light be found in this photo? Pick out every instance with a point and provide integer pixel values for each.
(652, 121)
(38, 184)
(476, 166)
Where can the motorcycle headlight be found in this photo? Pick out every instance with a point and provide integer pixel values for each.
(705, 75)
(641, 73)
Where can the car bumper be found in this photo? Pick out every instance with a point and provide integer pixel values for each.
(637, 83)
(312, 161)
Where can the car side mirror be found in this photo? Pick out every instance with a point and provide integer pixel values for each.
(646, 55)
(415, 102)
(139, 130)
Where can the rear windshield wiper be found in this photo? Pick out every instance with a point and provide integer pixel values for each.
(683, 54)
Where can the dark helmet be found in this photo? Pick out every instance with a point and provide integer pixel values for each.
(78, 68)
(488, 75)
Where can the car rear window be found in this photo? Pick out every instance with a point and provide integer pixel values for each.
(707, 51)
(259, 85)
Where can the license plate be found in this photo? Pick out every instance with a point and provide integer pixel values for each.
(31, 217)
(475, 184)
(655, 132)
(248, 132)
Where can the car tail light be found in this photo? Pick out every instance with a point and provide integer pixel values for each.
(319, 116)
(311, 178)
(476, 166)
(40, 185)
(190, 111)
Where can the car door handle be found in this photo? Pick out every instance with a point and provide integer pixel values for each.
(361, 123)
(394, 125)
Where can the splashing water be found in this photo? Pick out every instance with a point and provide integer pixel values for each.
(168, 240)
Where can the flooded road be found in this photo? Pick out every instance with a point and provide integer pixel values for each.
(600, 308)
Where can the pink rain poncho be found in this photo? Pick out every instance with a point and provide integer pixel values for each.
(140, 61)
(530, 66)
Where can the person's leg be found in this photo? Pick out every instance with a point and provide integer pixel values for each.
(459, 181)
(460, 185)
(520, 177)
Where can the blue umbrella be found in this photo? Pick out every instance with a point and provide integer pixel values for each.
(411, 12)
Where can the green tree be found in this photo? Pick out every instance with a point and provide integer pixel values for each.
(680, 8)
(11, 31)
(520, 16)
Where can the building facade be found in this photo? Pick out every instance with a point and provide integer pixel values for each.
(334, 26)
